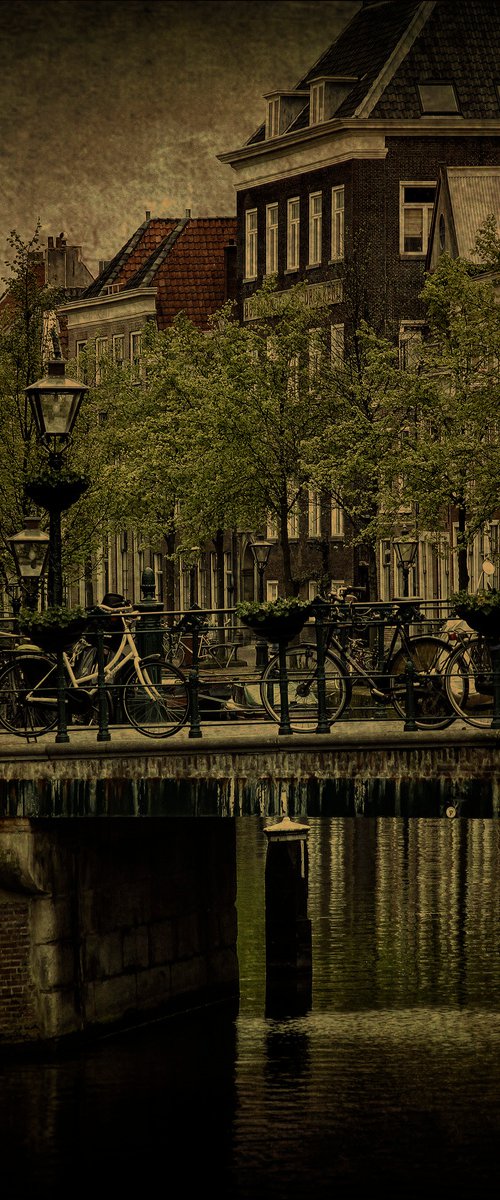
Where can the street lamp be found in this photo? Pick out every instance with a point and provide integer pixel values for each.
(55, 403)
(29, 551)
(261, 551)
(406, 552)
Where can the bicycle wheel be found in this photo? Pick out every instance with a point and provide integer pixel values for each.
(174, 648)
(469, 682)
(215, 655)
(18, 714)
(302, 674)
(430, 656)
(159, 706)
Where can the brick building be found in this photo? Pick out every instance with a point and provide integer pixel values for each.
(337, 187)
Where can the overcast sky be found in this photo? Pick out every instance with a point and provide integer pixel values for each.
(112, 107)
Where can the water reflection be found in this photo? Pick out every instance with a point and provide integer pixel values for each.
(389, 1076)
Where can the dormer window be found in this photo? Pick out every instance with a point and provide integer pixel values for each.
(273, 117)
(437, 98)
(317, 103)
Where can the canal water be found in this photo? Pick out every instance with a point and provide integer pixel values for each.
(386, 1073)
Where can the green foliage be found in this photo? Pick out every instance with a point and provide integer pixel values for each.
(283, 607)
(486, 602)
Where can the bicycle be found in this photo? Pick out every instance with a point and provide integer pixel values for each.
(155, 693)
(349, 664)
(469, 680)
(211, 653)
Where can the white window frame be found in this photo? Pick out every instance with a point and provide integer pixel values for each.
(406, 206)
(118, 340)
(293, 522)
(272, 528)
(411, 336)
(135, 358)
(313, 513)
(336, 520)
(273, 117)
(317, 103)
(101, 351)
(293, 235)
(272, 590)
(251, 226)
(338, 203)
(272, 239)
(315, 228)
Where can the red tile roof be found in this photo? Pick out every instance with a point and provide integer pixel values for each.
(182, 257)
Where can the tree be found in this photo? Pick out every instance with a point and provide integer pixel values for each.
(451, 460)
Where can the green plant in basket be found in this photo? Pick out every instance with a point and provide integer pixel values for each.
(254, 611)
(480, 609)
(55, 626)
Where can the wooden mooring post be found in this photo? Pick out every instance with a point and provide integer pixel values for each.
(288, 927)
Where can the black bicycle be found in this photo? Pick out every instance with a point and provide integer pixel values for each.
(349, 662)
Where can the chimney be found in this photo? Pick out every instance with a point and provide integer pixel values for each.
(50, 243)
(148, 215)
(188, 214)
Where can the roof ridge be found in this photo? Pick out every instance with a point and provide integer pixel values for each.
(399, 53)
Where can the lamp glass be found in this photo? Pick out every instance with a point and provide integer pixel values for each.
(30, 549)
(261, 551)
(406, 550)
(55, 401)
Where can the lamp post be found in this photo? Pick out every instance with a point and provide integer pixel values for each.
(261, 551)
(55, 403)
(29, 551)
(406, 552)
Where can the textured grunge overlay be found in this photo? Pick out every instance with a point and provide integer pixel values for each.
(112, 107)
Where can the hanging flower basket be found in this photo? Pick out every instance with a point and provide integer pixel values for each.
(481, 610)
(55, 492)
(276, 621)
(54, 628)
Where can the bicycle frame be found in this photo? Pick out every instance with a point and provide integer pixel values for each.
(333, 642)
(119, 660)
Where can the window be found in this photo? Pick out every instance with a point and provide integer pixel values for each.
(315, 228)
(337, 344)
(251, 244)
(337, 520)
(410, 341)
(417, 201)
(81, 361)
(317, 104)
(315, 353)
(293, 521)
(118, 348)
(271, 528)
(101, 350)
(293, 235)
(314, 514)
(272, 590)
(271, 239)
(135, 353)
(273, 117)
(437, 97)
(337, 223)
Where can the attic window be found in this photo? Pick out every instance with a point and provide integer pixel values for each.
(317, 104)
(273, 117)
(436, 98)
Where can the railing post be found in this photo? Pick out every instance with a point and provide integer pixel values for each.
(103, 734)
(495, 666)
(321, 608)
(410, 724)
(193, 623)
(62, 734)
(284, 726)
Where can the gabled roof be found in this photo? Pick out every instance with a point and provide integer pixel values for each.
(465, 197)
(391, 46)
(182, 257)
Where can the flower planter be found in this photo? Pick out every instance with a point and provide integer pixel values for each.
(485, 623)
(52, 638)
(57, 495)
(277, 629)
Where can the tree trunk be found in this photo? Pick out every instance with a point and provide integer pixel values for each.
(219, 572)
(169, 572)
(463, 570)
(291, 589)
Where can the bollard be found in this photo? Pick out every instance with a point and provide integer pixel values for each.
(149, 634)
(103, 734)
(62, 734)
(288, 927)
(410, 725)
(320, 609)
